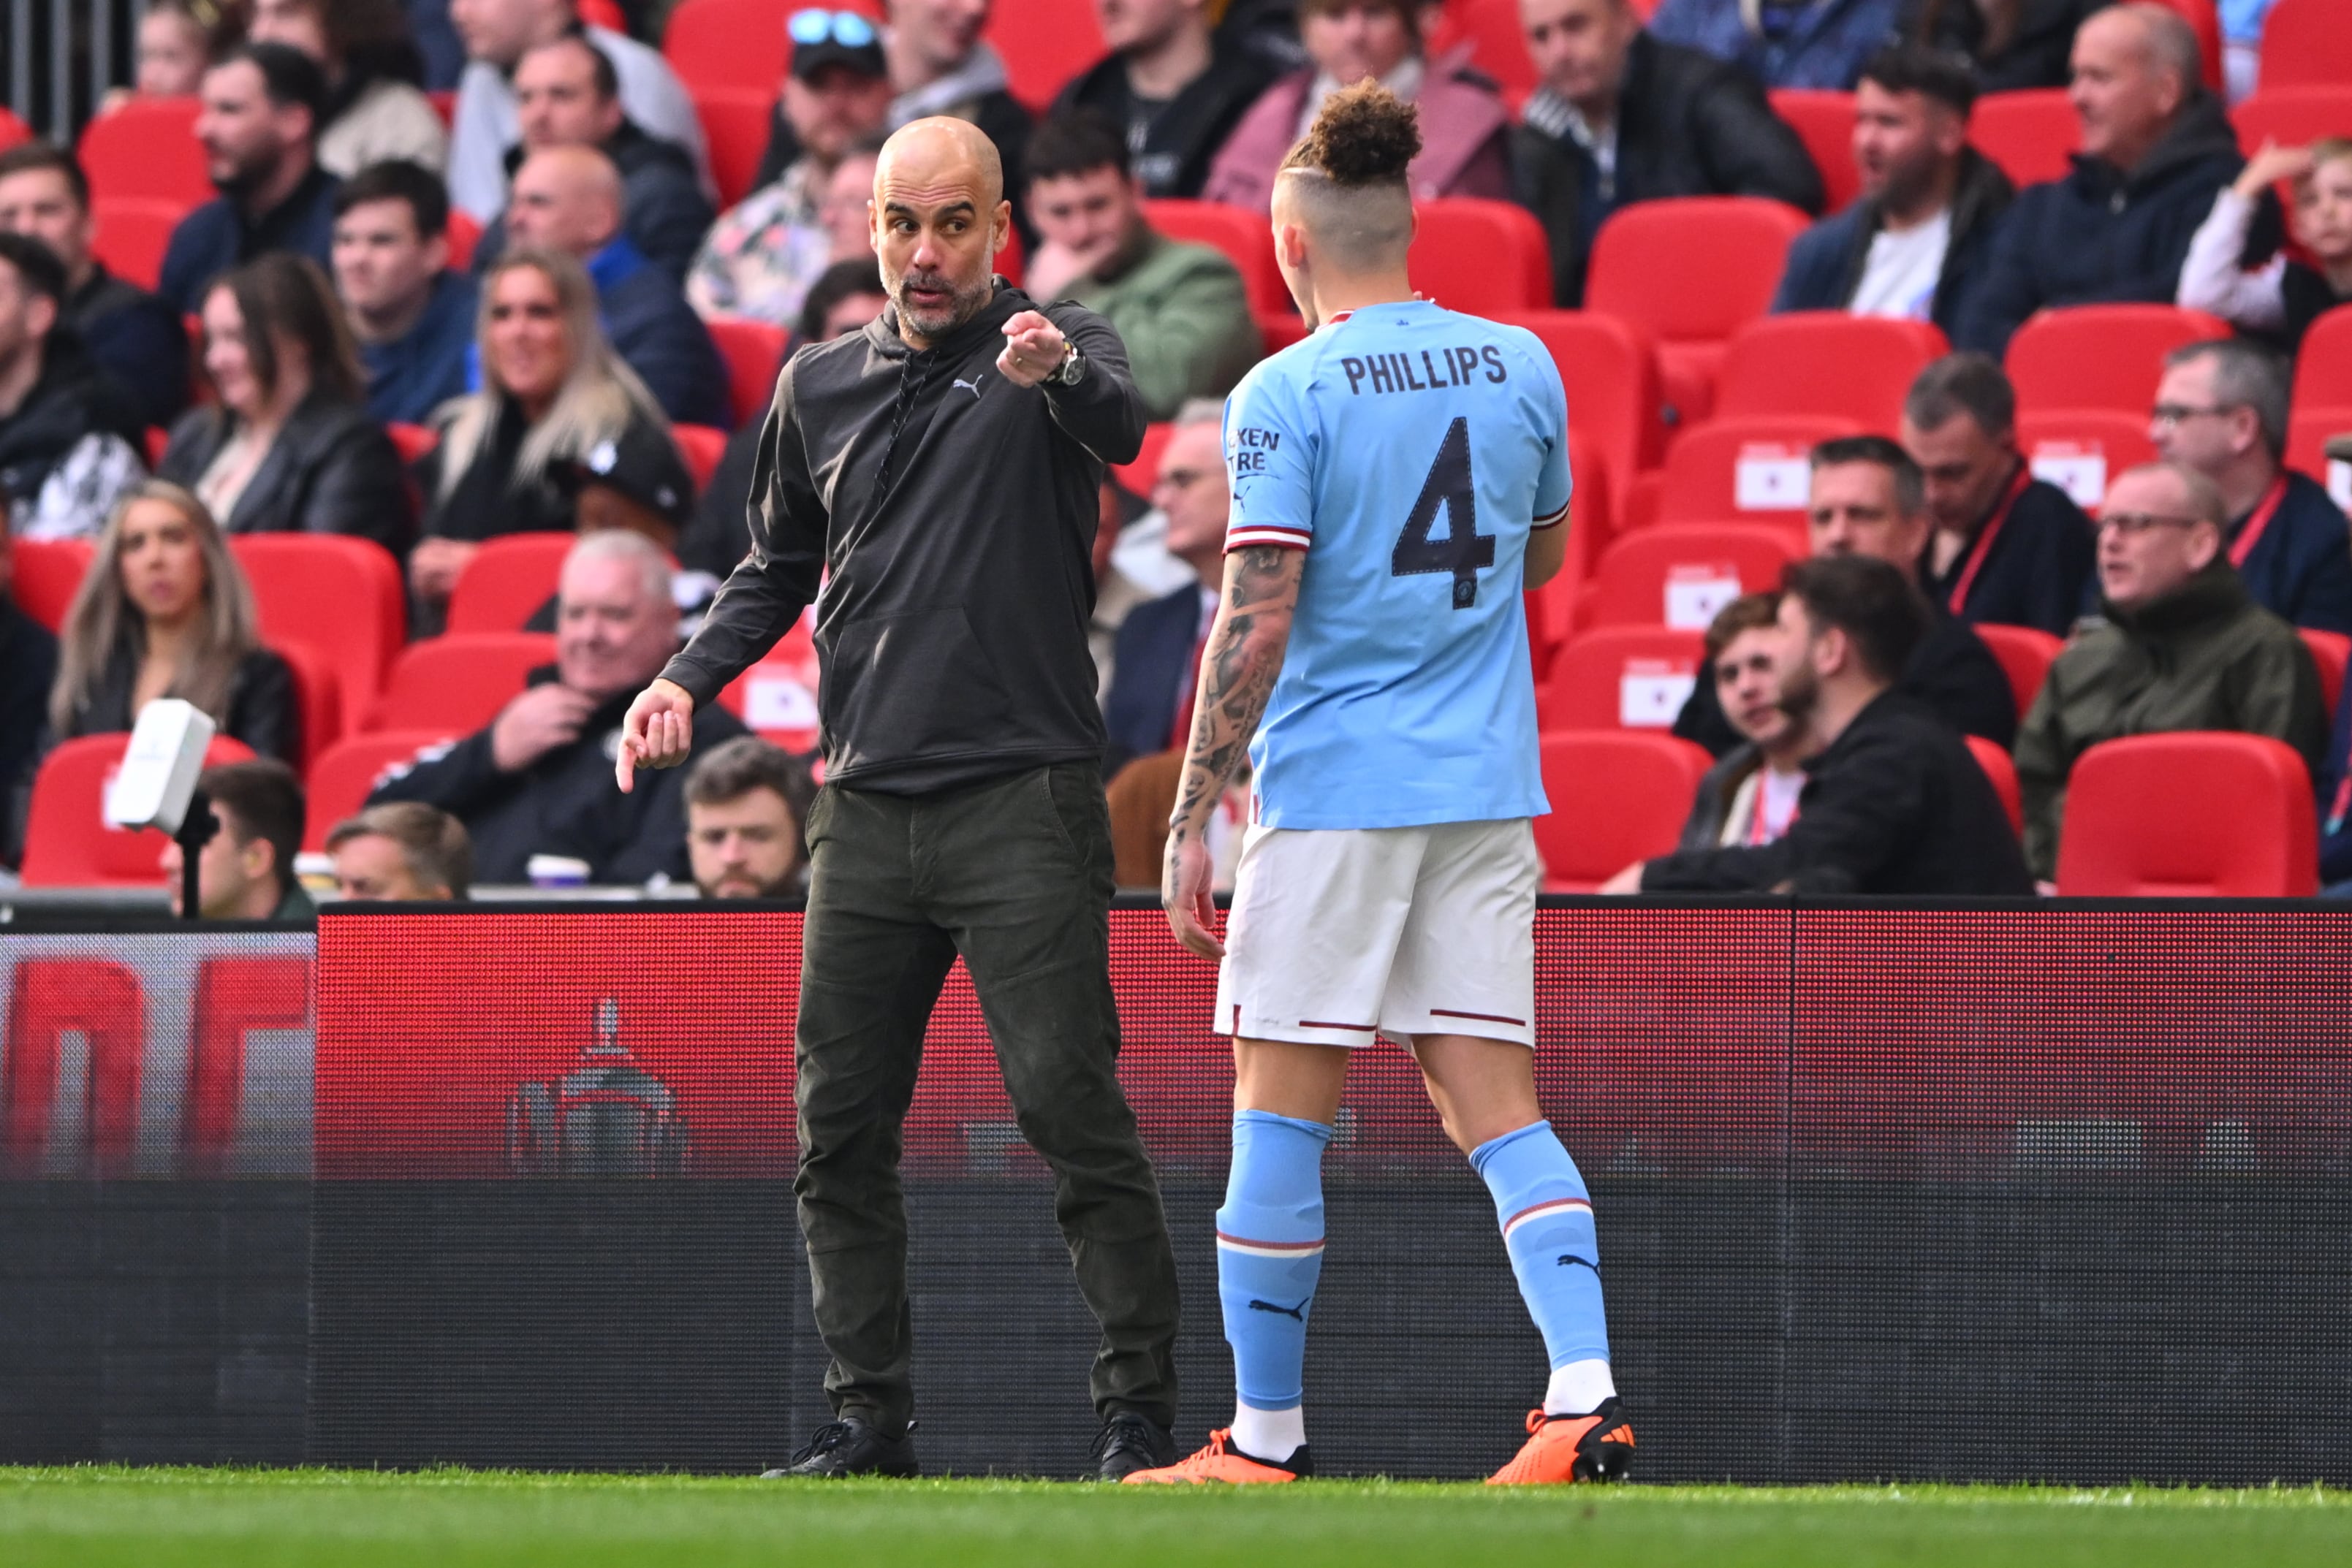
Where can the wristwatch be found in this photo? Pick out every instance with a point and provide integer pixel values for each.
(1072, 370)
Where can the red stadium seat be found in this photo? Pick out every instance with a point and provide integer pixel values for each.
(341, 779)
(445, 104)
(2331, 651)
(507, 581)
(702, 447)
(1553, 609)
(1617, 798)
(1045, 43)
(2309, 430)
(1280, 329)
(754, 352)
(729, 43)
(1751, 470)
(735, 121)
(2001, 773)
(456, 684)
(2307, 43)
(2025, 654)
(2030, 134)
(1246, 239)
(1496, 40)
(464, 235)
(66, 840)
(1827, 362)
(316, 699)
(1690, 273)
(1823, 122)
(1481, 256)
(2322, 369)
(2293, 116)
(2079, 450)
(339, 596)
(1680, 574)
(12, 130)
(48, 575)
(777, 697)
(2206, 23)
(2193, 814)
(147, 147)
(605, 14)
(412, 440)
(2101, 356)
(1621, 677)
(1612, 377)
(1139, 476)
(130, 233)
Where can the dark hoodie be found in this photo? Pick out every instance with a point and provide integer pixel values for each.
(1826, 263)
(71, 402)
(2100, 236)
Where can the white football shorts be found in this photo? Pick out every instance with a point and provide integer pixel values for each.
(1338, 937)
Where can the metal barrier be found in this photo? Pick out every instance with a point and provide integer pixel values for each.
(63, 56)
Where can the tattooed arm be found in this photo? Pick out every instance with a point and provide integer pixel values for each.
(1238, 672)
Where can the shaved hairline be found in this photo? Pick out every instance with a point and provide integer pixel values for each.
(1362, 228)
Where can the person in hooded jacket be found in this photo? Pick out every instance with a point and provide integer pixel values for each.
(66, 446)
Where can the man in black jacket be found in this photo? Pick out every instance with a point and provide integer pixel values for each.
(66, 450)
(1893, 804)
(941, 472)
(1173, 84)
(1623, 118)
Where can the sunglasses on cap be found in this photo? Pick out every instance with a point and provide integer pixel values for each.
(846, 28)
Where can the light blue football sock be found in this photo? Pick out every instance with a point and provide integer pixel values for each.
(1270, 1254)
(1547, 1218)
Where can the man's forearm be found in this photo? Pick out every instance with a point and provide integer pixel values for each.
(1238, 670)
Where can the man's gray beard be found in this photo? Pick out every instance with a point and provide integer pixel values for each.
(965, 306)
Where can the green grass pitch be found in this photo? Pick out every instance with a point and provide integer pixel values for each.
(101, 1517)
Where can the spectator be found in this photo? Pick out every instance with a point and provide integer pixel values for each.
(1181, 310)
(2007, 548)
(1623, 118)
(1788, 43)
(438, 47)
(402, 852)
(2013, 44)
(1148, 691)
(2242, 43)
(639, 485)
(2222, 410)
(373, 112)
(1894, 803)
(1175, 87)
(289, 447)
(411, 314)
(498, 34)
(764, 255)
(62, 466)
(175, 47)
(552, 389)
(1464, 129)
(568, 95)
(2155, 148)
(1750, 796)
(166, 613)
(28, 651)
(568, 199)
(1868, 498)
(246, 871)
(538, 780)
(2284, 296)
(746, 805)
(1929, 200)
(940, 65)
(2184, 647)
(135, 337)
(258, 124)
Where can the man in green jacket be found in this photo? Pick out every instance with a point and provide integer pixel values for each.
(2184, 647)
(1181, 310)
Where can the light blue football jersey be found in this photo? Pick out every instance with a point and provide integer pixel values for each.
(1409, 451)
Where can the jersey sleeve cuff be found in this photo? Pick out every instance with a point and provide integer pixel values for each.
(1254, 535)
(1554, 520)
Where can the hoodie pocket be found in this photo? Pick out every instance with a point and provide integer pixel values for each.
(911, 684)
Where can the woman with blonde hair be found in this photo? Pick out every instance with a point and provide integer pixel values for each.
(553, 395)
(166, 612)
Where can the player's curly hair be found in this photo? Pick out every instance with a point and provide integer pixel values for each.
(1364, 135)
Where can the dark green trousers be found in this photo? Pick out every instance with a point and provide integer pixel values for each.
(1015, 874)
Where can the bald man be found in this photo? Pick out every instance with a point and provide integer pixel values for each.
(569, 199)
(939, 473)
(2156, 146)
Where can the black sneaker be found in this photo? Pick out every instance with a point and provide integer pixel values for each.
(1129, 1442)
(851, 1447)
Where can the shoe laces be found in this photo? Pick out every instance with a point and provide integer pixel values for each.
(1220, 1444)
(824, 1440)
(1126, 1429)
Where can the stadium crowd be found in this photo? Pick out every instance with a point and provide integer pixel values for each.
(476, 272)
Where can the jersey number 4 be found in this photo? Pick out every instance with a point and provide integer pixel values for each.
(1461, 549)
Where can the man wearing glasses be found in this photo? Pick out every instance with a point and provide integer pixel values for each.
(2184, 647)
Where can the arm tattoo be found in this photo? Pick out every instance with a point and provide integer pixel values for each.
(1237, 672)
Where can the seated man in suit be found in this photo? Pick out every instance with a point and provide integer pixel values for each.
(1148, 706)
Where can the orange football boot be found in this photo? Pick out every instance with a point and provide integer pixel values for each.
(1560, 1448)
(1220, 1461)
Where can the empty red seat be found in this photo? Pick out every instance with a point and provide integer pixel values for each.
(2102, 356)
(1497, 41)
(1690, 273)
(318, 699)
(456, 684)
(702, 447)
(1144, 472)
(1480, 257)
(67, 842)
(339, 596)
(777, 697)
(2322, 369)
(2000, 772)
(1825, 362)
(1554, 609)
(2081, 450)
(1823, 122)
(1245, 238)
(2293, 116)
(754, 351)
(1280, 329)
(736, 123)
(2307, 43)
(12, 130)
(1753, 470)
(464, 235)
(727, 44)
(1045, 43)
(412, 441)
(343, 775)
(48, 575)
(2189, 814)
(2308, 432)
(147, 147)
(1621, 677)
(1617, 798)
(1611, 372)
(130, 233)
(2031, 134)
(507, 581)
(1680, 574)
(2025, 654)
(2330, 651)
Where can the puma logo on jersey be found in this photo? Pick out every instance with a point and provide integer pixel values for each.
(972, 386)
